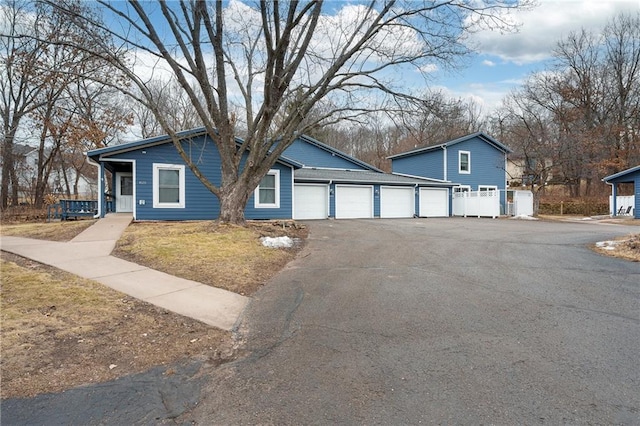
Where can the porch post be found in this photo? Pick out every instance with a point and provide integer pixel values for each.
(101, 195)
(614, 198)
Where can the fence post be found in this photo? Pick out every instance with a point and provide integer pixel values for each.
(561, 207)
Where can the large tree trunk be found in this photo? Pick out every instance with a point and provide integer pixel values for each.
(15, 185)
(8, 164)
(233, 201)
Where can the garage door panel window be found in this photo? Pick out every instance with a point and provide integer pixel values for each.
(168, 186)
(267, 194)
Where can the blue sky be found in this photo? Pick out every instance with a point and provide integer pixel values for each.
(504, 60)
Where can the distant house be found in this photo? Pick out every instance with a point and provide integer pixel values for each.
(311, 180)
(525, 171)
(477, 162)
(622, 205)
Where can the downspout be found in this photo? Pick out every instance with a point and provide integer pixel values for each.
(503, 198)
(98, 215)
(329, 205)
(444, 166)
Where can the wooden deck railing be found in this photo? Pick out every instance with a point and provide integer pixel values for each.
(67, 209)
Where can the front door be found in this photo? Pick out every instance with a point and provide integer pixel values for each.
(124, 192)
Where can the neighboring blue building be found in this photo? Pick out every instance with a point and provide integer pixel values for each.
(311, 152)
(477, 162)
(631, 175)
(311, 180)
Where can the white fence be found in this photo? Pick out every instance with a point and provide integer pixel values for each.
(520, 203)
(476, 203)
(623, 202)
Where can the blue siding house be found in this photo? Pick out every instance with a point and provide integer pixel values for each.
(631, 175)
(477, 162)
(150, 180)
(311, 180)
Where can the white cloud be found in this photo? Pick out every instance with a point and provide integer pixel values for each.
(542, 27)
(488, 96)
(488, 63)
(429, 68)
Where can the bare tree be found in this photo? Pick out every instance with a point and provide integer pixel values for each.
(622, 44)
(173, 103)
(582, 113)
(275, 61)
(51, 95)
(438, 118)
(20, 84)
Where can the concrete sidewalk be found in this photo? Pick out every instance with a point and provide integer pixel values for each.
(88, 256)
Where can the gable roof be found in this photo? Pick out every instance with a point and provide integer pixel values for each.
(621, 174)
(481, 135)
(162, 139)
(337, 152)
(143, 143)
(199, 131)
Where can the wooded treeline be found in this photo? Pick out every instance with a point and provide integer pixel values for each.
(62, 94)
(56, 98)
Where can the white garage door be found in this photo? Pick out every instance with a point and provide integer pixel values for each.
(434, 202)
(396, 201)
(310, 201)
(354, 202)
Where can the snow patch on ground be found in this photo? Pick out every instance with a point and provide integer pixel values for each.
(607, 245)
(524, 217)
(277, 242)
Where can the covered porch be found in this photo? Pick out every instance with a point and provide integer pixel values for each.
(625, 205)
(116, 191)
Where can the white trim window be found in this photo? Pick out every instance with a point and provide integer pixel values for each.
(482, 188)
(464, 162)
(462, 188)
(168, 186)
(267, 194)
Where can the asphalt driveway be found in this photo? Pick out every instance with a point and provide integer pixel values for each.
(455, 321)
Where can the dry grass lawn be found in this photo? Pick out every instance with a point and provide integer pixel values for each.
(53, 231)
(60, 331)
(626, 248)
(219, 255)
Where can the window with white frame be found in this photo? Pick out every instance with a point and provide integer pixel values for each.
(464, 162)
(168, 186)
(462, 188)
(267, 194)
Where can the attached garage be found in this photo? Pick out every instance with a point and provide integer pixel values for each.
(354, 201)
(355, 194)
(397, 201)
(311, 201)
(434, 202)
